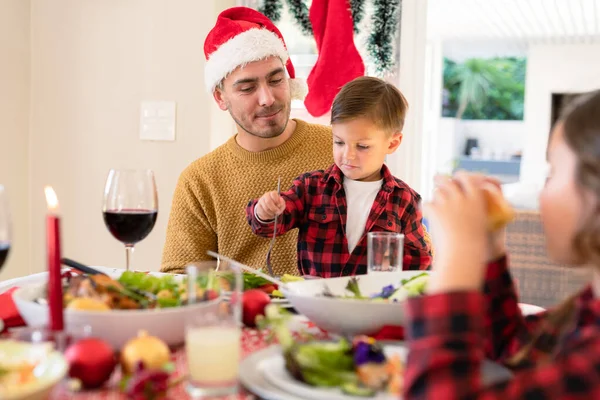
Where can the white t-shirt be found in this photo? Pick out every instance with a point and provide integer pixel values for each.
(359, 198)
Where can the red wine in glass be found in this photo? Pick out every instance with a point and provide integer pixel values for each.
(4, 249)
(130, 206)
(130, 226)
(5, 227)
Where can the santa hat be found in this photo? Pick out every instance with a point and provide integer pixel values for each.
(240, 36)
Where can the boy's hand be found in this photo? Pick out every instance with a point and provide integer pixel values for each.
(269, 206)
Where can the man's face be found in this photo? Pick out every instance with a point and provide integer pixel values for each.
(257, 95)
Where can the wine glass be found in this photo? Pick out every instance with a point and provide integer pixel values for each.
(130, 206)
(5, 226)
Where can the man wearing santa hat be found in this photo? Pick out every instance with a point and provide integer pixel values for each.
(249, 73)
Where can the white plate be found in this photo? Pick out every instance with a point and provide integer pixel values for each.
(254, 380)
(264, 374)
(50, 370)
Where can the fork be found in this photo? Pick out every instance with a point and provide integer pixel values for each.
(269, 267)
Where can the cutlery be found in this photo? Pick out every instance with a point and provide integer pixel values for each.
(269, 267)
(80, 267)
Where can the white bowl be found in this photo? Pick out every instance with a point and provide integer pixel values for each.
(348, 316)
(114, 326)
(50, 370)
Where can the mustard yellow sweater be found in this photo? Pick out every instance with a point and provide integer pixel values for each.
(208, 210)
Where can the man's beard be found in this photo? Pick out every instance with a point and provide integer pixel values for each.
(274, 131)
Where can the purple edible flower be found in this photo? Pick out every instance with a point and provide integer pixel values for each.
(365, 353)
(385, 293)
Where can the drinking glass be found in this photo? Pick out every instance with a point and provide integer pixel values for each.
(384, 251)
(5, 226)
(130, 206)
(213, 334)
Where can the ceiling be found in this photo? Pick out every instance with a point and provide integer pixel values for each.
(509, 26)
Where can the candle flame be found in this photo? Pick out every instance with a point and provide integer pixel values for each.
(51, 199)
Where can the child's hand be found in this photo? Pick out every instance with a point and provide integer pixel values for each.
(458, 218)
(269, 206)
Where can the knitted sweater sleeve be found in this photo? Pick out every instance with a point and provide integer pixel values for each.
(189, 232)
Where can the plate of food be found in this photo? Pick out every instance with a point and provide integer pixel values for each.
(131, 301)
(253, 281)
(29, 371)
(343, 369)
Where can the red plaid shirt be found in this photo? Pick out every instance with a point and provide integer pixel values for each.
(316, 205)
(450, 334)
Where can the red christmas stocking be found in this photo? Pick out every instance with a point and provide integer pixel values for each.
(339, 62)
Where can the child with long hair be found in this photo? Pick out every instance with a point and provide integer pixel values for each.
(471, 311)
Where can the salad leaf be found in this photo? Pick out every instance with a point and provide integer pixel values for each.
(416, 285)
(325, 364)
(147, 282)
(353, 288)
(316, 363)
(168, 302)
(251, 281)
(290, 278)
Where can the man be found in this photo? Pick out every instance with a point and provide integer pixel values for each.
(245, 71)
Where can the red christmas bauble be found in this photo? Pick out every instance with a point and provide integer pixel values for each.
(92, 361)
(254, 302)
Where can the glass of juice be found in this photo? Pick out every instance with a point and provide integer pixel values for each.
(213, 334)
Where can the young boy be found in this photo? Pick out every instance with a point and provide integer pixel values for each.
(335, 209)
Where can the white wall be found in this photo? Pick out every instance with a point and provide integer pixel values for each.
(553, 69)
(14, 133)
(93, 62)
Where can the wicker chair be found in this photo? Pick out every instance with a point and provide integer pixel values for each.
(540, 281)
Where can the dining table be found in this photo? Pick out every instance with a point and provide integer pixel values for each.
(252, 340)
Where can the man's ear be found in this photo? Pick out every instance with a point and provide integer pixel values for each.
(220, 99)
(395, 141)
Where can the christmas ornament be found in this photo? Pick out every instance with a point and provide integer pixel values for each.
(381, 41)
(338, 62)
(299, 11)
(91, 361)
(357, 8)
(271, 9)
(148, 350)
(254, 302)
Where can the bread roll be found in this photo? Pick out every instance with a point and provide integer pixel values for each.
(499, 212)
(87, 304)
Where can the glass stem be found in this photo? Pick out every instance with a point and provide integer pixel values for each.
(128, 254)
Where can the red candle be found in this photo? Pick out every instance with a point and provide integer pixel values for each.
(55, 296)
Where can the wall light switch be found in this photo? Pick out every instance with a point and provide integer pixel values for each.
(157, 120)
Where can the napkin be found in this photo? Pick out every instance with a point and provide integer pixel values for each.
(8, 310)
(389, 332)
